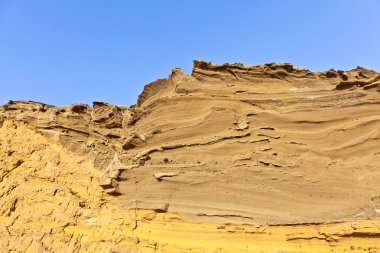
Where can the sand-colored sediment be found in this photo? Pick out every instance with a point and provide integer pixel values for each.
(232, 158)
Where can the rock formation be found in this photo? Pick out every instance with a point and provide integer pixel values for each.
(232, 158)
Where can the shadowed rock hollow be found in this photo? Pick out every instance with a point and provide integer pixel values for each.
(232, 158)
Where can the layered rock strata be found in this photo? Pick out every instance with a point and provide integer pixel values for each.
(232, 158)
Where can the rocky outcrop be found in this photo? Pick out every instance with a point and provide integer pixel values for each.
(232, 158)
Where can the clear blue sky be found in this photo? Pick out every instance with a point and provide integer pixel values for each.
(70, 51)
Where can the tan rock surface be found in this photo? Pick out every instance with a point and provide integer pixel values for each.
(272, 158)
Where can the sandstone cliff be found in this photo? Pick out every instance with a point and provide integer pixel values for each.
(232, 158)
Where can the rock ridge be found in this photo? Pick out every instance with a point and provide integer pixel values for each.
(247, 151)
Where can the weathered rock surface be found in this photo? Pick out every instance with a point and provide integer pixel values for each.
(232, 158)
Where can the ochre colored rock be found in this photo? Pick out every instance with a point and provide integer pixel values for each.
(232, 158)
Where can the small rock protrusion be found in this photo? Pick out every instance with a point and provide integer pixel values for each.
(343, 75)
(134, 140)
(79, 108)
(242, 124)
(160, 175)
(243, 157)
(331, 73)
(108, 183)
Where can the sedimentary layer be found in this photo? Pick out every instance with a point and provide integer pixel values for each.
(231, 158)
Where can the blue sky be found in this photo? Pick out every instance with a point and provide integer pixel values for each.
(70, 51)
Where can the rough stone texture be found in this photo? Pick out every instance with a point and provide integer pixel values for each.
(232, 158)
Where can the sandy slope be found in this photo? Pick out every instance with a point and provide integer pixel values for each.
(272, 158)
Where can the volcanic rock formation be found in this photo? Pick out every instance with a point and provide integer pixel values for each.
(232, 158)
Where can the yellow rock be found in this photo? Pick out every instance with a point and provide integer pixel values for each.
(230, 158)
(51, 202)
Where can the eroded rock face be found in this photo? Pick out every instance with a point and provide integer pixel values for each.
(251, 154)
